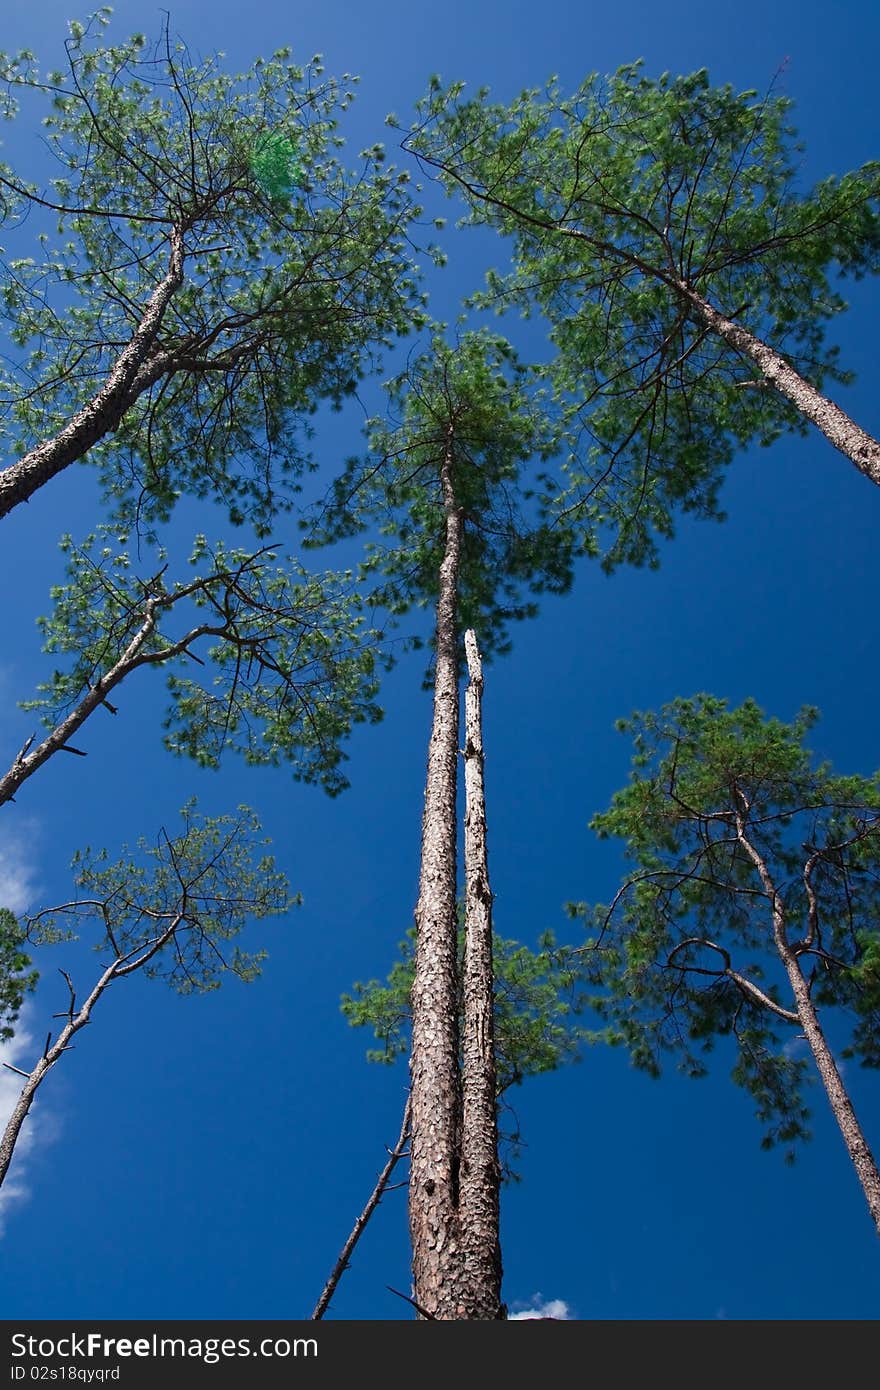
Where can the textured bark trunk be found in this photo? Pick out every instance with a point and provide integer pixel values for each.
(123, 965)
(30, 759)
(434, 1160)
(480, 1172)
(35, 1079)
(105, 410)
(19, 1115)
(357, 1230)
(853, 1137)
(27, 762)
(860, 447)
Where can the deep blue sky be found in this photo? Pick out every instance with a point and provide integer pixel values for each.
(206, 1157)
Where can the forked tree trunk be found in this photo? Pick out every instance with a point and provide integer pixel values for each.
(839, 429)
(480, 1171)
(466, 1270)
(434, 1148)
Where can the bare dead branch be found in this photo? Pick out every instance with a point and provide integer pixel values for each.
(357, 1231)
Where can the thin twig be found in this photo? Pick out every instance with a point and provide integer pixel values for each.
(423, 1312)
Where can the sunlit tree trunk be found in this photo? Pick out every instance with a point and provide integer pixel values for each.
(857, 1145)
(480, 1171)
(136, 369)
(435, 1094)
(841, 431)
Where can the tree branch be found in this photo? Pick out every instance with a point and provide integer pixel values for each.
(373, 1201)
(105, 410)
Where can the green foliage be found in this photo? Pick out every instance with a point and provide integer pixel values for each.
(285, 302)
(687, 953)
(475, 401)
(171, 908)
(291, 668)
(536, 1005)
(275, 165)
(16, 979)
(613, 199)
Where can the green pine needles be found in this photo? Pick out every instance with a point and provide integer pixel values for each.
(276, 166)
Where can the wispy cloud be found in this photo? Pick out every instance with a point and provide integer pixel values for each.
(18, 890)
(17, 878)
(18, 1051)
(544, 1308)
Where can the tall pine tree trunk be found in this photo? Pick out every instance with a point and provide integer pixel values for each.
(853, 1135)
(480, 1172)
(841, 431)
(434, 1070)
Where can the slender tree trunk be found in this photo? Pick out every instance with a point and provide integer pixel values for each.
(463, 1272)
(480, 1171)
(51, 1055)
(345, 1254)
(860, 447)
(136, 654)
(434, 1149)
(129, 377)
(58, 740)
(125, 964)
(853, 1136)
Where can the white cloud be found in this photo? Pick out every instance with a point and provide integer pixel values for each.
(19, 1052)
(18, 887)
(17, 883)
(544, 1308)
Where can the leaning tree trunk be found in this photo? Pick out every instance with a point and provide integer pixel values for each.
(842, 1107)
(480, 1171)
(435, 1098)
(136, 369)
(860, 447)
(77, 1019)
(853, 1136)
(52, 1053)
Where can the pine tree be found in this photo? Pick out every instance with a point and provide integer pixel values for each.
(661, 229)
(751, 913)
(449, 479)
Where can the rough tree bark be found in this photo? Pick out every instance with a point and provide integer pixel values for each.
(76, 1020)
(480, 1170)
(29, 759)
(860, 447)
(434, 1070)
(839, 429)
(135, 370)
(457, 1275)
(857, 1145)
